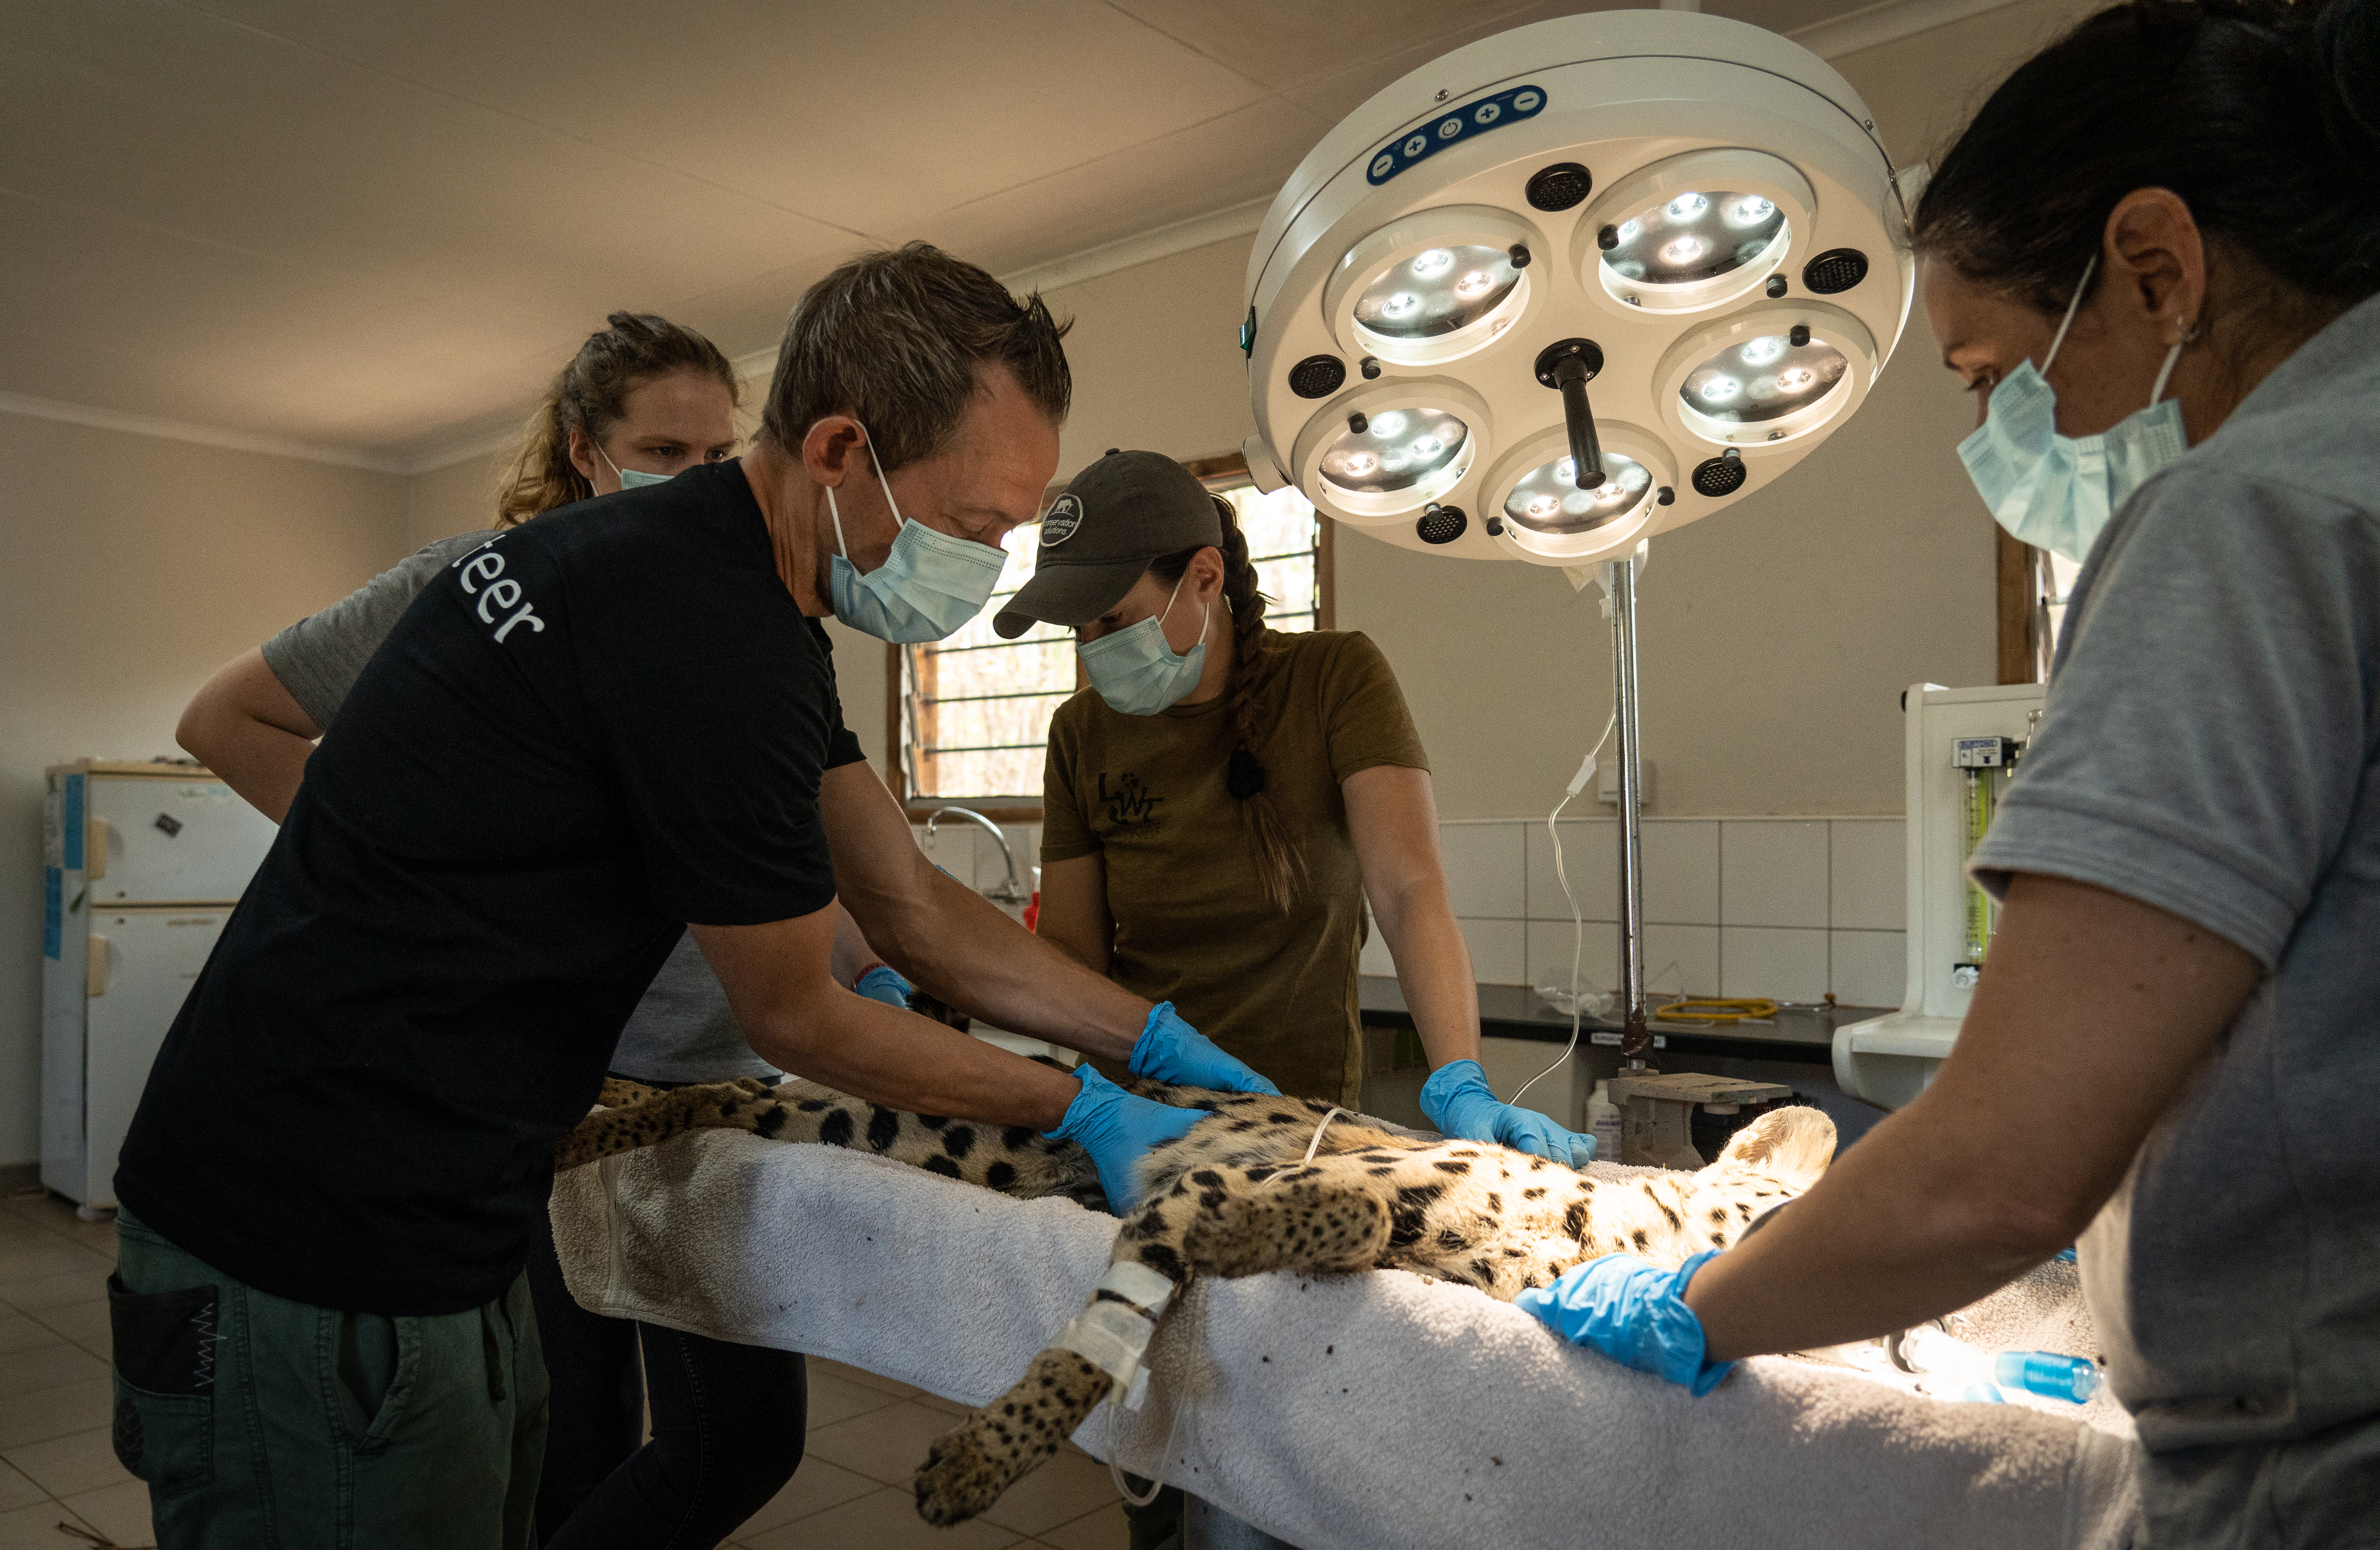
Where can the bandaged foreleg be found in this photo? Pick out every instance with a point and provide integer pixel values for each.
(1112, 1334)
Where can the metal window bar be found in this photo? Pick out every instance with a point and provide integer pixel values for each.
(983, 748)
(1019, 694)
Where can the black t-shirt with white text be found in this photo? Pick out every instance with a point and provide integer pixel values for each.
(585, 733)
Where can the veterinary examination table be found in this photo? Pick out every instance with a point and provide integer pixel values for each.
(1350, 1412)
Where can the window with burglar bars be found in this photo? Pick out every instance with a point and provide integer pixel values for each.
(972, 712)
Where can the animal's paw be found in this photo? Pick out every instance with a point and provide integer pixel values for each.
(969, 1467)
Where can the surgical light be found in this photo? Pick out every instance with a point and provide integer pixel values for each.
(1591, 279)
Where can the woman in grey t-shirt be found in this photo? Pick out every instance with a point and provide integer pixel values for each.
(642, 402)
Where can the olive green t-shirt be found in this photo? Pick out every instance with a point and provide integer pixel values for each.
(1193, 925)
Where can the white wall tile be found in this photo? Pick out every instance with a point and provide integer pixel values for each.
(1550, 954)
(1591, 856)
(1869, 967)
(1783, 963)
(1681, 873)
(1377, 958)
(1680, 960)
(991, 867)
(1871, 875)
(1499, 951)
(1485, 874)
(950, 847)
(1772, 873)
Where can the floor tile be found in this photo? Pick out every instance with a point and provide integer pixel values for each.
(16, 1490)
(32, 1294)
(849, 1373)
(883, 1520)
(83, 1323)
(815, 1486)
(54, 1412)
(20, 1332)
(49, 1255)
(121, 1512)
(833, 1399)
(48, 1367)
(35, 1527)
(948, 1407)
(886, 1444)
(1063, 1489)
(1104, 1529)
(70, 1465)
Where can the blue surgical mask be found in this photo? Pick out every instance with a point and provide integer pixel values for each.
(2054, 491)
(929, 586)
(630, 479)
(1136, 672)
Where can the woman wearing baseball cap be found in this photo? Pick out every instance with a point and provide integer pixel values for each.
(1222, 800)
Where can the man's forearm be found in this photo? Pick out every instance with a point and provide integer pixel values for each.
(962, 948)
(904, 1061)
(261, 762)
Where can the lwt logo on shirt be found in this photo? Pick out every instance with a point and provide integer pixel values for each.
(1130, 802)
(496, 592)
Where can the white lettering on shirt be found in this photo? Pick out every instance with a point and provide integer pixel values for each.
(486, 567)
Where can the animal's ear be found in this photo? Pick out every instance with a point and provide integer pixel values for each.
(1793, 1144)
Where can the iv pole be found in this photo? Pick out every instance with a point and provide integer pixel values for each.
(1619, 587)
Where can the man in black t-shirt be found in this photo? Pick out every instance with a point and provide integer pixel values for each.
(587, 735)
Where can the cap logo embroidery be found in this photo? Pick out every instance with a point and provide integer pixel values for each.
(1065, 517)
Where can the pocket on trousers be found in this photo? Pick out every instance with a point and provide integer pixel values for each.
(165, 1384)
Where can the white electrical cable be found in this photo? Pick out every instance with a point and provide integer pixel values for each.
(1577, 921)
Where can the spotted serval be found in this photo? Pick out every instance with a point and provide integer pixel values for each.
(1237, 1196)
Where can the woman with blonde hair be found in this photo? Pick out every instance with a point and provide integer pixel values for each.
(642, 400)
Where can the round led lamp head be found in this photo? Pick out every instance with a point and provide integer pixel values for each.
(1716, 159)
(1434, 287)
(1388, 449)
(1774, 372)
(1694, 232)
(1547, 517)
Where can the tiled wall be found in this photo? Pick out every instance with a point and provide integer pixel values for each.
(1787, 908)
(1792, 908)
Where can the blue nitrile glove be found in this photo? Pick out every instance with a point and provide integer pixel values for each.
(1634, 1313)
(1457, 1101)
(1171, 1050)
(884, 983)
(1117, 1129)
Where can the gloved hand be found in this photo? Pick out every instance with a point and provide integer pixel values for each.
(1117, 1129)
(1457, 1101)
(1634, 1313)
(883, 983)
(1171, 1050)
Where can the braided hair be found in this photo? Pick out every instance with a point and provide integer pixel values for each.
(1280, 867)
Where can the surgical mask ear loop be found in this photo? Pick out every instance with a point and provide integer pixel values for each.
(2172, 359)
(2072, 308)
(835, 512)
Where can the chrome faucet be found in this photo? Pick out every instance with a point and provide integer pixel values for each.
(1008, 892)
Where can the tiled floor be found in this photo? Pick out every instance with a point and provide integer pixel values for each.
(866, 1434)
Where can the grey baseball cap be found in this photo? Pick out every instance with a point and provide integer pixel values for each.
(1118, 515)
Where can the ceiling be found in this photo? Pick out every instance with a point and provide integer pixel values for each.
(374, 227)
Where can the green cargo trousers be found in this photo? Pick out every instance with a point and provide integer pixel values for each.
(265, 1424)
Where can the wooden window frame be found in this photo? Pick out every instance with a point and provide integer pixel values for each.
(1228, 472)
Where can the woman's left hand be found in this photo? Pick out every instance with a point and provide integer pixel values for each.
(1457, 1099)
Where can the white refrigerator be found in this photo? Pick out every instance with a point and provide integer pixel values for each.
(141, 864)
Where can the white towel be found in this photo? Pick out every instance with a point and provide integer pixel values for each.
(1361, 1412)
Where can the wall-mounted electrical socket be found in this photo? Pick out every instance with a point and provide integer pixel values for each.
(1607, 782)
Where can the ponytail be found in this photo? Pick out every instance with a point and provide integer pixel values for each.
(1281, 866)
(591, 395)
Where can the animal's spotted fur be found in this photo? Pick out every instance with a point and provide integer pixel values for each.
(1235, 1197)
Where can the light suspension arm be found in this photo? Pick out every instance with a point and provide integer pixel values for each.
(1569, 366)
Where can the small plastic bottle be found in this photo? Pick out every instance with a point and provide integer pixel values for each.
(1603, 1122)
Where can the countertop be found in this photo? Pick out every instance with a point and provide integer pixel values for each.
(1804, 1035)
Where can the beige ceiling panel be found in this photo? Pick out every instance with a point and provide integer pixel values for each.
(1240, 157)
(867, 116)
(1337, 95)
(161, 325)
(1284, 46)
(198, 127)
